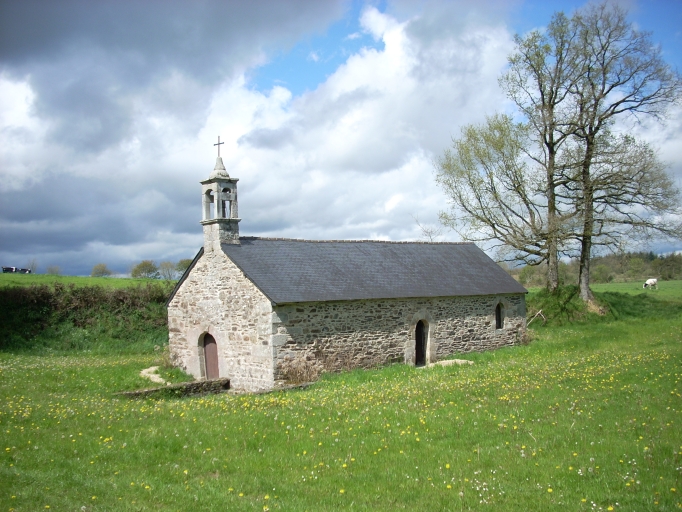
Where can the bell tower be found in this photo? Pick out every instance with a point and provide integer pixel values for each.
(220, 217)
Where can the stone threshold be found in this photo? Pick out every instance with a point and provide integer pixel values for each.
(450, 362)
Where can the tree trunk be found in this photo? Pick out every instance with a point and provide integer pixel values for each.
(588, 223)
(552, 266)
(552, 235)
(585, 249)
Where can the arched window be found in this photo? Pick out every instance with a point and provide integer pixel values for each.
(499, 316)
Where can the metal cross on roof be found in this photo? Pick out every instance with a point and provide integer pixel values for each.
(219, 143)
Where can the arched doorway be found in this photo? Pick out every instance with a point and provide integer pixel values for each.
(420, 344)
(211, 357)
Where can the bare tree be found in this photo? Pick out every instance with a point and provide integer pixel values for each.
(53, 270)
(32, 265)
(621, 74)
(429, 233)
(542, 70)
(168, 270)
(633, 197)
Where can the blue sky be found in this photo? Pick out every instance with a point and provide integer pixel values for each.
(332, 113)
(315, 57)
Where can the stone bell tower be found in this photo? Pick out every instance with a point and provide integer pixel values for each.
(219, 207)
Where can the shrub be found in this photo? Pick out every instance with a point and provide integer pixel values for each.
(167, 270)
(601, 274)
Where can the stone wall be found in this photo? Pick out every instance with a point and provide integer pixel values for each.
(258, 342)
(342, 335)
(217, 298)
(201, 387)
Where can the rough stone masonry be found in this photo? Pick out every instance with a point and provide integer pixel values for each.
(273, 304)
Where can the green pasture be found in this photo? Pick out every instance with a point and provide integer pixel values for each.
(666, 289)
(39, 279)
(587, 416)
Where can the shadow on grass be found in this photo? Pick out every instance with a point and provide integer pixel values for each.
(622, 306)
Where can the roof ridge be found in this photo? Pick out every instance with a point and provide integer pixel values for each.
(352, 241)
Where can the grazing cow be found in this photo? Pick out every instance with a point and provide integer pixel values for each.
(651, 283)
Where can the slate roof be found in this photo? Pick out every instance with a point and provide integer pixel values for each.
(288, 271)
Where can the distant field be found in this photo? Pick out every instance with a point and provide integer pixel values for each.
(29, 279)
(666, 289)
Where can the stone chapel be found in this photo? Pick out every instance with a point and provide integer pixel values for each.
(249, 306)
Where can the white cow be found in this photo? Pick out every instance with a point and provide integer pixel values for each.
(651, 283)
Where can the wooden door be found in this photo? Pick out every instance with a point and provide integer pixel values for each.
(211, 357)
(420, 344)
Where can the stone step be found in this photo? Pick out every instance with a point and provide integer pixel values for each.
(201, 387)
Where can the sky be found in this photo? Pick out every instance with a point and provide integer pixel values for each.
(332, 113)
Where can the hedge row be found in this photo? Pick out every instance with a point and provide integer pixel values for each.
(26, 311)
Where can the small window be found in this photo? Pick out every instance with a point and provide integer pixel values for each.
(499, 316)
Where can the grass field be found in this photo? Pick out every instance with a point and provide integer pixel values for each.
(666, 289)
(588, 416)
(108, 282)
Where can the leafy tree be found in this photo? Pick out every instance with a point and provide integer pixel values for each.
(100, 270)
(145, 269)
(495, 194)
(668, 267)
(636, 267)
(167, 270)
(563, 181)
(183, 265)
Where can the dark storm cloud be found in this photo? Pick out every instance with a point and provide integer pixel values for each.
(66, 213)
(87, 62)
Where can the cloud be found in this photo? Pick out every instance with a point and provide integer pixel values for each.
(109, 114)
(381, 106)
(112, 135)
(96, 67)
